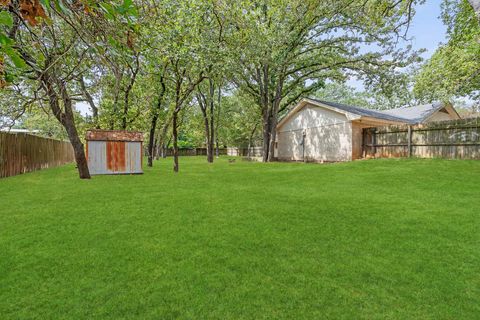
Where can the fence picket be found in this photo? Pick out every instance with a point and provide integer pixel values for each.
(21, 153)
(454, 139)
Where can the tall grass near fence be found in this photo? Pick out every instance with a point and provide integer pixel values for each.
(21, 153)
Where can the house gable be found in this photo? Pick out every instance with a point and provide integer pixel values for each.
(443, 114)
(314, 110)
(311, 116)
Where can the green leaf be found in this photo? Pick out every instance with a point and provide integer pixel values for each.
(15, 57)
(46, 4)
(9, 77)
(61, 7)
(6, 19)
(4, 40)
(127, 3)
(109, 10)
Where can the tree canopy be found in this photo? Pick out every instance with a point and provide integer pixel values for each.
(216, 72)
(454, 69)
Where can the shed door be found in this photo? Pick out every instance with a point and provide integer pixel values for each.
(106, 157)
(116, 157)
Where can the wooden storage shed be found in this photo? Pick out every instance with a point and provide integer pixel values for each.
(114, 152)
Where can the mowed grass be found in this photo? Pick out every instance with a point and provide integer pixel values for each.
(376, 239)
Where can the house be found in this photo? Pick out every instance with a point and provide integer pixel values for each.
(327, 131)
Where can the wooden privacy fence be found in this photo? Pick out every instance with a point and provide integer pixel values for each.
(183, 152)
(245, 152)
(454, 139)
(230, 151)
(20, 153)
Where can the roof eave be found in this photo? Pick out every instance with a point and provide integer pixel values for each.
(384, 121)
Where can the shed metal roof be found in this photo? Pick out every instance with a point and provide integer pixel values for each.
(113, 135)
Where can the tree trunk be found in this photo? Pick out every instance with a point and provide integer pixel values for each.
(78, 149)
(210, 147)
(69, 124)
(126, 98)
(161, 139)
(155, 148)
(151, 139)
(153, 123)
(207, 106)
(164, 150)
(273, 121)
(207, 138)
(262, 75)
(219, 104)
(66, 118)
(273, 135)
(175, 140)
(211, 139)
(250, 140)
(266, 134)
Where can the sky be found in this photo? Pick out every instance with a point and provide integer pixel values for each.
(426, 30)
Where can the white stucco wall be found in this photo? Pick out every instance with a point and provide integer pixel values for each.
(328, 136)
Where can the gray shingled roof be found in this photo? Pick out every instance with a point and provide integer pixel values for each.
(411, 115)
(361, 111)
(415, 114)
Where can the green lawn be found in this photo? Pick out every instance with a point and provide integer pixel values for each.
(376, 239)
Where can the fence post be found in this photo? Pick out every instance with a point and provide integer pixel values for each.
(409, 137)
(374, 142)
(364, 142)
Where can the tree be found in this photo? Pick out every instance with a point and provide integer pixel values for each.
(50, 65)
(240, 122)
(207, 100)
(291, 48)
(393, 92)
(50, 39)
(157, 107)
(157, 69)
(454, 69)
(191, 52)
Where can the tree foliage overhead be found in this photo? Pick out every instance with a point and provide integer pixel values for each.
(293, 47)
(454, 69)
(171, 67)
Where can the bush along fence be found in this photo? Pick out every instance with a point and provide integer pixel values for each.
(20, 153)
(455, 139)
